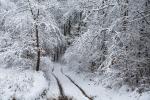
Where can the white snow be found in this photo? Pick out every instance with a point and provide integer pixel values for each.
(29, 85)
(99, 92)
(96, 37)
(23, 85)
(70, 90)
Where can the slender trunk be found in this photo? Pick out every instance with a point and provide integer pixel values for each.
(38, 50)
(37, 43)
(64, 30)
(69, 27)
(35, 18)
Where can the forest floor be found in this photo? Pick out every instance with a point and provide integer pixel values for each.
(69, 86)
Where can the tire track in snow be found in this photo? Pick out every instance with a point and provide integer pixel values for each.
(61, 90)
(73, 82)
(59, 86)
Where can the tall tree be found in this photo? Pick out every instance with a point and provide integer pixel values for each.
(36, 19)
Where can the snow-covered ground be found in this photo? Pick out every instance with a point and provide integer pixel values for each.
(101, 93)
(97, 92)
(69, 89)
(31, 85)
(22, 85)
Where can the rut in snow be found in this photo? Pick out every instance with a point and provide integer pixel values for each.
(62, 95)
(71, 80)
(59, 86)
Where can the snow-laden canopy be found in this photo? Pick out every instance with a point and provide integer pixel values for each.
(17, 29)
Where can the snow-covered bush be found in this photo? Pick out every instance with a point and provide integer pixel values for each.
(22, 85)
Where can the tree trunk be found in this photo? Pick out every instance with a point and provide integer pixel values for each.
(35, 18)
(38, 50)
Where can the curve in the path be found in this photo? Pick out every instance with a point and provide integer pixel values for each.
(72, 81)
(59, 86)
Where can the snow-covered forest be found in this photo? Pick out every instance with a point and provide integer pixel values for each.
(74, 49)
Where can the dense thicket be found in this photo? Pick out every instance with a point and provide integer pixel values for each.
(115, 42)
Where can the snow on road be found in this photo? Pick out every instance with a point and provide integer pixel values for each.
(28, 85)
(69, 88)
(98, 92)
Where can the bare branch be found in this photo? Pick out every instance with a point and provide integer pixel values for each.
(31, 10)
(144, 18)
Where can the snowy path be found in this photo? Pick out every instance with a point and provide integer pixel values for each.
(65, 86)
(72, 81)
(61, 91)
